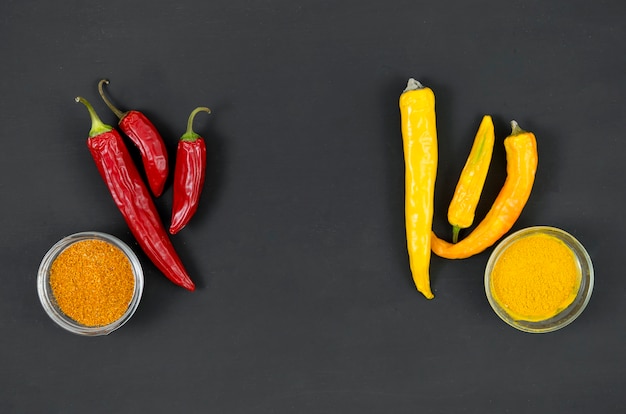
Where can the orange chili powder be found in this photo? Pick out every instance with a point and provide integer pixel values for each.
(92, 282)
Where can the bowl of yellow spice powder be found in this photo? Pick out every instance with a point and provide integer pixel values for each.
(90, 283)
(539, 279)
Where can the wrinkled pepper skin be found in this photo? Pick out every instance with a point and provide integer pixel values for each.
(136, 126)
(189, 174)
(133, 199)
(521, 156)
(144, 135)
(472, 180)
(419, 135)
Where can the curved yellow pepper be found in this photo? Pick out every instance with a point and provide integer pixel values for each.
(472, 179)
(419, 135)
(521, 158)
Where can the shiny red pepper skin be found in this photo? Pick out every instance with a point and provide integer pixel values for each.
(189, 174)
(153, 152)
(133, 199)
(136, 126)
(188, 181)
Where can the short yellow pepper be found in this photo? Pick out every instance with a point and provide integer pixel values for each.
(470, 186)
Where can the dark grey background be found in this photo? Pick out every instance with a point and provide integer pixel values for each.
(305, 301)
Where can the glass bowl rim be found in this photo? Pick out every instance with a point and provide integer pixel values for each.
(567, 315)
(47, 298)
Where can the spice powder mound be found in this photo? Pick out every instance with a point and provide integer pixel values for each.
(92, 282)
(536, 277)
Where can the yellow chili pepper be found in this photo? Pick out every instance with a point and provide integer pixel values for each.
(521, 156)
(472, 179)
(419, 134)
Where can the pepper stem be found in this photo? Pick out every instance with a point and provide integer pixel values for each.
(515, 128)
(97, 126)
(455, 233)
(413, 85)
(190, 135)
(108, 103)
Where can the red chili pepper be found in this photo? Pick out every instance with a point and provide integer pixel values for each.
(188, 174)
(146, 137)
(133, 198)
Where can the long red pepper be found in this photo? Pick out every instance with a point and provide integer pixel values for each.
(146, 137)
(133, 198)
(189, 173)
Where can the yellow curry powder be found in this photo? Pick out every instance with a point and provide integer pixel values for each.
(535, 278)
(92, 282)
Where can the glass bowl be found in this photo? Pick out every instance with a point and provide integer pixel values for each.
(565, 316)
(49, 303)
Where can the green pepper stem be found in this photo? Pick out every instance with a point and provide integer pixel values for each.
(108, 103)
(515, 128)
(97, 126)
(455, 233)
(190, 135)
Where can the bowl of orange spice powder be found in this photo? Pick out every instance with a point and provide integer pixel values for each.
(539, 279)
(90, 283)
